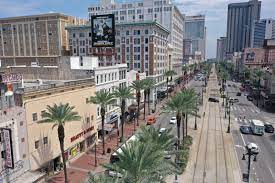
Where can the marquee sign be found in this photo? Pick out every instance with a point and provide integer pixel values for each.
(11, 78)
(6, 134)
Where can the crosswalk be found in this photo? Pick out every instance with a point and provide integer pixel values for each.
(244, 109)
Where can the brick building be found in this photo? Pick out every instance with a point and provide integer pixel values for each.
(34, 39)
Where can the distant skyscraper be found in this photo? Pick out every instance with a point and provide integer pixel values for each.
(273, 29)
(221, 49)
(196, 31)
(240, 17)
(261, 30)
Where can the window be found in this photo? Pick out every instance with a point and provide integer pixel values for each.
(140, 17)
(146, 57)
(101, 78)
(146, 40)
(127, 33)
(127, 49)
(146, 65)
(139, 11)
(121, 17)
(96, 79)
(105, 78)
(127, 41)
(21, 123)
(136, 32)
(34, 116)
(146, 49)
(36, 144)
(22, 139)
(73, 34)
(43, 113)
(92, 117)
(150, 10)
(87, 120)
(45, 140)
(90, 34)
(87, 100)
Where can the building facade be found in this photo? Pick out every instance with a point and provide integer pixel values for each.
(162, 11)
(221, 49)
(196, 31)
(35, 39)
(240, 18)
(43, 143)
(261, 30)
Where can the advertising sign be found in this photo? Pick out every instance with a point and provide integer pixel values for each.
(103, 30)
(8, 147)
(11, 78)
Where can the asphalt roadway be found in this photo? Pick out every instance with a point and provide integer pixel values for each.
(263, 170)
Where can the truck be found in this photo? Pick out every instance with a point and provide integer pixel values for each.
(257, 127)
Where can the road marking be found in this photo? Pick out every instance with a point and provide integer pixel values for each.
(271, 172)
(257, 111)
(243, 140)
(236, 119)
(240, 146)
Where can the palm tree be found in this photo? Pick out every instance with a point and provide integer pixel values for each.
(144, 160)
(123, 94)
(59, 115)
(138, 85)
(189, 105)
(174, 105)
(103, 99)
(258, 74)
(169, 77)
(149, 84)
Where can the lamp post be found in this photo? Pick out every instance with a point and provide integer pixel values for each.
(229, 105)
(195, 127)
(176, 158)
(95, 156)
(252, 150)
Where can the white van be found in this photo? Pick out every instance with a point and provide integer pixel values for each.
(257, 127)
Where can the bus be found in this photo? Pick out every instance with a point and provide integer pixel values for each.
(257, 127)
(114, 157)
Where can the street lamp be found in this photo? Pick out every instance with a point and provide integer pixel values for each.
(252, 150)
(230, 103)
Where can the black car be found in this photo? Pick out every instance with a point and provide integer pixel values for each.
(245, 129)
(268, 128)
(249, 98)
(213, 99)
(239, 94)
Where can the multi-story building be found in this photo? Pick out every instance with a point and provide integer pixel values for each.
(42, 140)
(196, 31)
(187, 49)
(141, 45)
(162, 11)
(221, 49)
(35, 39)
(273, 29)
(261, 30)
(240, 18)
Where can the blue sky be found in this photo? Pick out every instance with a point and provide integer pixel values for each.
(215, 11)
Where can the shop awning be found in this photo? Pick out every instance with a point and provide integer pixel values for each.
(107, 127)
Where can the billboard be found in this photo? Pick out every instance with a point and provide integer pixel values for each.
(103, 30)
(11, 78)
(6, 134)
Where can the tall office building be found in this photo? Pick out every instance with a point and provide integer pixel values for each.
(261, 30)
(273, 29)
(35, 39)
(164, 12)
(221, 49)
(240, 18)
(196, 31)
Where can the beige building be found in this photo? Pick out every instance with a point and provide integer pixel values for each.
(44, 150)
(35, 39)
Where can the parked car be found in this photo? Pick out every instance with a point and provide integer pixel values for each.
(236, 100)
(245, 129)
(239, 94)
(249, 98)
(162, 130)
(167, 155)
(268, 128)
(211, 99)
(173, 120)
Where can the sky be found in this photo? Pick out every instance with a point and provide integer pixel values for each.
(215, 11)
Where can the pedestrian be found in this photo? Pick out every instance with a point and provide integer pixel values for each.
(243, 117)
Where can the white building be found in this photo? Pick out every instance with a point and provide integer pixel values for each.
(162, 11)
(106, 78)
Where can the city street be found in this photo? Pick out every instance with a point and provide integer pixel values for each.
(264, 169)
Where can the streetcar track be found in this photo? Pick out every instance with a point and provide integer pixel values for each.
(202, 127)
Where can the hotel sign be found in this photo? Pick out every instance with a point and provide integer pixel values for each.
(6, 134)
(11, 78)
(81, 134)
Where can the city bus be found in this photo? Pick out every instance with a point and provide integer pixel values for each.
(257, 127)
(114, 157)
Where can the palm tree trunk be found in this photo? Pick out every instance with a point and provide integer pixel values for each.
(61, 141)
(102, 129)
(138, 102)
(183, 128)
(186, 121)
(144, 102)
(178, 127)
(122, 119)
(167, 81)
(258, 97)
(148, 92)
